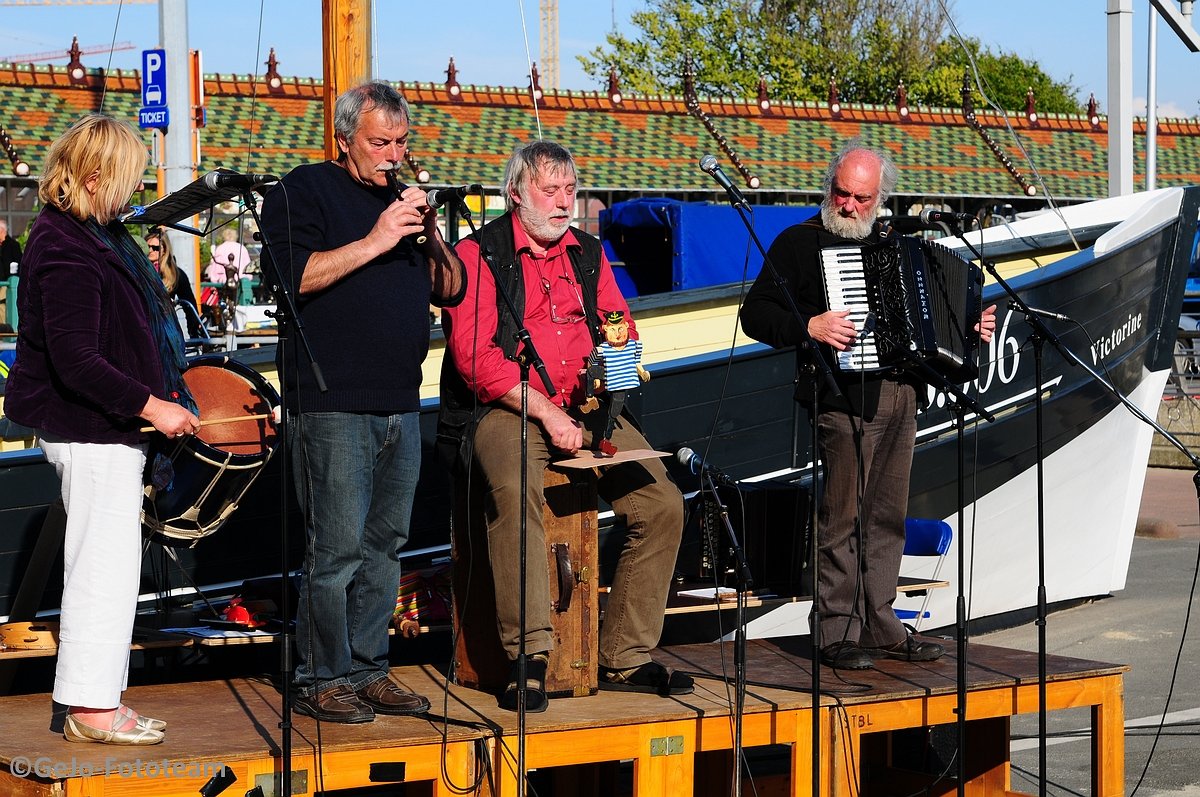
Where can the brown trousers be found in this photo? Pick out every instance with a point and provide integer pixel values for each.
(640, 493)
(861, 520)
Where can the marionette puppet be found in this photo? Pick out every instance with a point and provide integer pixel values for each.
(613, 368)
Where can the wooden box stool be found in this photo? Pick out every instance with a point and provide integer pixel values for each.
(569, 519)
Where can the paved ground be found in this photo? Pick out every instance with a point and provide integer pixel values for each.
(1169, 502)
(1143, 626)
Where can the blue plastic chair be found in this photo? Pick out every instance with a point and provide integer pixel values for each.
(925, 537)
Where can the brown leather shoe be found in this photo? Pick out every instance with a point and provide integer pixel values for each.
(846, 656)
(334, 704)
(385, 697)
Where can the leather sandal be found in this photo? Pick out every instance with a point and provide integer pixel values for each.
(536, 700)
(75, 730)
(650, 678)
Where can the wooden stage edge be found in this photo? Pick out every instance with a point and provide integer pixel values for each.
(678, 746)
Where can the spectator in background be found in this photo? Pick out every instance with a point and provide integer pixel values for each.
(179, 287)
(10, 256)
(10, 251)
(228, 253)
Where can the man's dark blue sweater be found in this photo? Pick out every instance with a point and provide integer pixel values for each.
(369, 331)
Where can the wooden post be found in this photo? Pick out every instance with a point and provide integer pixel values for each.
(346, 36)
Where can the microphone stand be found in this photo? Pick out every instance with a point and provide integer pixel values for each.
(744, 582)
(527, 356)
(958, 405)
(285, 313)
(818, 365)
(1039, 334)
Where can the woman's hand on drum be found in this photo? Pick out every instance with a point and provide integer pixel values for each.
(169, 418)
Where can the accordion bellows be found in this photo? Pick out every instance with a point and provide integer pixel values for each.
(915, 303)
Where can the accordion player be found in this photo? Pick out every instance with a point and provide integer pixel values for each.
(912, 301)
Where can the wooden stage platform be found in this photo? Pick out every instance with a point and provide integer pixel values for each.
(678, 746)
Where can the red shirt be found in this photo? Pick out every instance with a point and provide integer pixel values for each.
(553, 316)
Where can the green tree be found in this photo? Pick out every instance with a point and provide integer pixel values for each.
(867, 46)
(1006, 78)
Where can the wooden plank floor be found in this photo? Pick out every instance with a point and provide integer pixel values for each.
(784, 662)
(235, 722)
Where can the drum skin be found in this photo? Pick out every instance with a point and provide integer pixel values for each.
(213, 469)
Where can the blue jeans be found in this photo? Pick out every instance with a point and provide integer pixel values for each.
(355, 479)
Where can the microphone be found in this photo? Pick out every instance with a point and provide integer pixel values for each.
(868, 327)
(195, 197)
(1049, 314)
(442, 196)
(931, 216)
(243, 182)
(694, 463)
(709, 164)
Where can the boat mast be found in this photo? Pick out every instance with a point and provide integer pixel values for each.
(346, 36)
(179, 163)
(1120, 97)
(1120, 82)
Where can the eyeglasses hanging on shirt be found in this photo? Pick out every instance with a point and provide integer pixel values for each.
(574, 316)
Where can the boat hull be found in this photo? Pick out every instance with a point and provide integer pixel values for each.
(736, 407)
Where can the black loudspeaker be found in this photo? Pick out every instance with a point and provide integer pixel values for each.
(770, 519)
(265, 595)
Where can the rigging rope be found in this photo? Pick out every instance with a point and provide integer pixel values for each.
(253, 88)
(958, 37)
(111, 48)
(529, 68)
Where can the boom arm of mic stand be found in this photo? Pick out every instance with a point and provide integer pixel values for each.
(937, 380)
(1040, 328)
(285, 304)
(1134, 409)
(1014, 300)
(808, 343)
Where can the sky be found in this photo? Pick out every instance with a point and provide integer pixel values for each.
(486, 37)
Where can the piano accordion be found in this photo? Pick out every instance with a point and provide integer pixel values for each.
(922, 300)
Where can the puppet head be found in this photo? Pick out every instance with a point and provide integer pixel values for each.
(615, 328)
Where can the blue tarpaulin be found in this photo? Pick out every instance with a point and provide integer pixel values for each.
(663, 245)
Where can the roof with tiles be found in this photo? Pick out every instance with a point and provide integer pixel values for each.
(643, 144)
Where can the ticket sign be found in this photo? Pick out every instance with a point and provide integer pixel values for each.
(154, 112)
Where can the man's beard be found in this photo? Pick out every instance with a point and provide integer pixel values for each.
(540, 226)
(856, 229)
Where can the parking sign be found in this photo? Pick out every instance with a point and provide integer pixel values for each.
(154, 78)
(154, 111)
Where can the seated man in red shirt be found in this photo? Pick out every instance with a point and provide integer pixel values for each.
(559, 279)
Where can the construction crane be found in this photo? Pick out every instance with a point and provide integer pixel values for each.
(70, 2)
(54, 55)
(549, 30)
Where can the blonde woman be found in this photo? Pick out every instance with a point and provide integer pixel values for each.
(179, 287)
(98, 356)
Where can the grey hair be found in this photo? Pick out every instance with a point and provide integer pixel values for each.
(527, 159)
(376, 95)
(889, 175)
